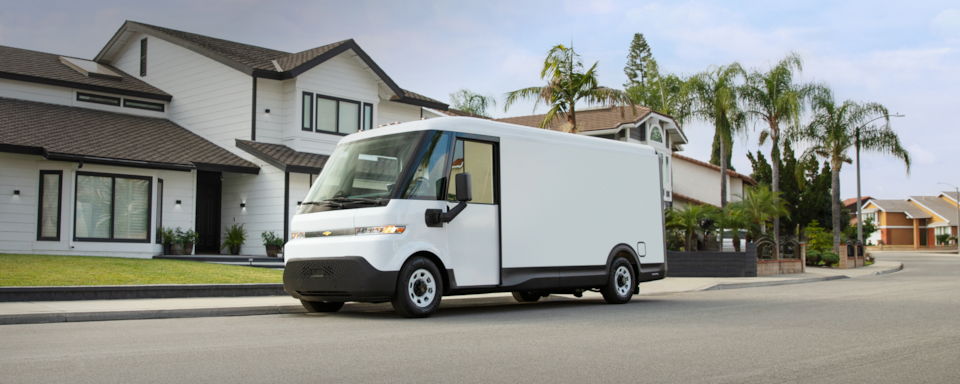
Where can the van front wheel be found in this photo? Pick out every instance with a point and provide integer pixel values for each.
(418, 288)
(620, 284)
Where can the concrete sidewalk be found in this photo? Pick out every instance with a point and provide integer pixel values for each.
(102, 310)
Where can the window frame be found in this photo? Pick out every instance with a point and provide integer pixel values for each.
(339, 100)
(313, 113)
(113, 202)
(126, 100)
(368, 122)
(159, 221)
(119, 100)
(40, 205)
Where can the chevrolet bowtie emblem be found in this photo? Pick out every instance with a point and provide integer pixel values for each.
(327, 233)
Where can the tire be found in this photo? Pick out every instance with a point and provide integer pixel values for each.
(321, 306)
(419, 288)
(526, 296)
(620, 284)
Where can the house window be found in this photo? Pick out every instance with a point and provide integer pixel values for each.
(48, 222)
(656, 135)
(368, 116)
(159, 211)
(98, 99)
(143, 57)
(112, 208)
(307, 117)
(337, 115)
(127, 103)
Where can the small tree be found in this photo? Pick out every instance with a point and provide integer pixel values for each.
(689, 219)
(818, 238)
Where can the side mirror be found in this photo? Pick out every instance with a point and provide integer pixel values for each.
(464, 187)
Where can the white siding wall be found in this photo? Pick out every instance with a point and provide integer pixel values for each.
(209, 98)
(13, 89)
(341, 77)
(391, 112)
(18, 229)
(270, 95)
(263, 196)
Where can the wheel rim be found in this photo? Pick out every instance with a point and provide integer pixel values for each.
(622, 280)
(422, 288)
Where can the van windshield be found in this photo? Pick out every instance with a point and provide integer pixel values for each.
(361, 173)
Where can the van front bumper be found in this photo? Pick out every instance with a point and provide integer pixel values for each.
(338, 279)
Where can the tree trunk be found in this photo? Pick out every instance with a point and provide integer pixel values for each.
(835, 202)
(572, 119)
(775, 163)
(723, 172)
(736, 241)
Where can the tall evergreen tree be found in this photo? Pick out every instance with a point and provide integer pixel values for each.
(715, 154)
(637, 67)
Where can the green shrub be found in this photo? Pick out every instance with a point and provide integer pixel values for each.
(818, 238)
(942, 239)
(270, 238)
(813, 257)
(830, 258)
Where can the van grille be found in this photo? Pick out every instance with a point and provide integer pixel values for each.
(326, 269)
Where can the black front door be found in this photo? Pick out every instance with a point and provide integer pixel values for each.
(208, 212)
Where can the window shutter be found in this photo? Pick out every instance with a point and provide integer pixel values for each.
(143, 57)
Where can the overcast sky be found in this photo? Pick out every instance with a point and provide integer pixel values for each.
(902, 55)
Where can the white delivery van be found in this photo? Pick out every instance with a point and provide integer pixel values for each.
(416, 211)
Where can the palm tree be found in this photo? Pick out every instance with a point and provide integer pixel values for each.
(469, 101)
(734, 219)
(716, 95)
(758, 205)
(835, 129)
(567, 84)
(689, 219)
(773, 98)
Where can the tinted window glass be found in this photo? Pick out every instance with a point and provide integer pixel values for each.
(477, 160)
(428, 180)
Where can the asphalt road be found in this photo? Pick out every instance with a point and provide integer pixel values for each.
(898, 328)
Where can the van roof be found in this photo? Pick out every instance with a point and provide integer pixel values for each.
(498, 129)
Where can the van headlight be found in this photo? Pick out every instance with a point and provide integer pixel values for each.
(297, 235)
(386, 229)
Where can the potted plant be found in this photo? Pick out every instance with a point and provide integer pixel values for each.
(272, 242)
(188, 239)
(169, 237)
(235, 237)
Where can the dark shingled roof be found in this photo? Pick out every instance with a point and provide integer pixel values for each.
(259, 61)
(75, 133)
(27, 65)
(284, 157)
(249, 55)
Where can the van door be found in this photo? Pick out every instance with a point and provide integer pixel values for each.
(474, 236)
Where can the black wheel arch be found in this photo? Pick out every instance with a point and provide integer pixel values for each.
(445, 277)
(629, 253)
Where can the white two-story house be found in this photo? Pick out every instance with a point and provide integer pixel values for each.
(165, 128)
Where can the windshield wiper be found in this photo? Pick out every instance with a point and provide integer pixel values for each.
(356, 200)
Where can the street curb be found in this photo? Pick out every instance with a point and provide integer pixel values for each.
(719, 287)
(72, 317)
(126, 292)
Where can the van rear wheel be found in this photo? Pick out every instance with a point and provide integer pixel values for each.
(620, 284)
(419, 288)
(526, 296)
(321, 306)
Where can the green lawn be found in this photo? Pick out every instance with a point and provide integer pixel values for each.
(46, 270)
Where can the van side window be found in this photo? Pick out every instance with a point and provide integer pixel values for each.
(476, 159)
(427, 182)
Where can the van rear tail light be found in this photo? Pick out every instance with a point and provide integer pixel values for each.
(387, 229)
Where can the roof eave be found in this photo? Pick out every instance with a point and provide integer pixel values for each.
(87, 87)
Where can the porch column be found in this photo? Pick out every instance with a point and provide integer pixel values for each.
(916, 234)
